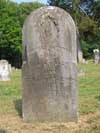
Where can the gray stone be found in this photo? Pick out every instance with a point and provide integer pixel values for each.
(79, 49)
(4, 70)
(96, 56)
(13, 68)
(80, 56)
(84, 61)
(81, 72)
(10, 68)
(49, 69)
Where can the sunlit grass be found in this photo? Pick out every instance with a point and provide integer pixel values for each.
(89, 88)
(88, 99)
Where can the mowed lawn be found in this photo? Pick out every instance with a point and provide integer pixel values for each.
(89, 106)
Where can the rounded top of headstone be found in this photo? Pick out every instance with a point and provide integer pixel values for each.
(49, 27)
(51, 12)
(96, 50)
(3, 61)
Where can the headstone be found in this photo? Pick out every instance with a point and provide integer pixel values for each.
(85, 61)
(49, 70)
(79, 49)
(81, 72)
(96, 56)
(10, 69)
(4, 70)
(80, 55)
(13, 68)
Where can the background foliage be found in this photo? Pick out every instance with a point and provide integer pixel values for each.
(12, 16)
(86, 14)
(87, 18)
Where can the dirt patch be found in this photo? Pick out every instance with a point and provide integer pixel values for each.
(14, 124)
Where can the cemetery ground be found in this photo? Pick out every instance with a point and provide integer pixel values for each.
(89, 106)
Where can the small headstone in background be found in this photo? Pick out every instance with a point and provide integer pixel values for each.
(13, 68)
(84, 61)
(80, 55)
(10, 68)
(79, 49)
(96, 56)
(4, 70)
(81, 72)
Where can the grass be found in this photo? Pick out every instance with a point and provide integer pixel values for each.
(89, 89)
(89, 106)
(10, 93)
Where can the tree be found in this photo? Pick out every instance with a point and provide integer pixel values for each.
(87, 18)
(12, 16)
(10, 30)
(25, 9)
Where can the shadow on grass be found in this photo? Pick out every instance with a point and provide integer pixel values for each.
(98, 97)
(2, 131)
(18, 106)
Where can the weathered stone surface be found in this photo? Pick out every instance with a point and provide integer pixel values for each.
(10, 68)
(80, 55)
(49, 70)
(96, 56)
(4, 70)
(79, 50)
